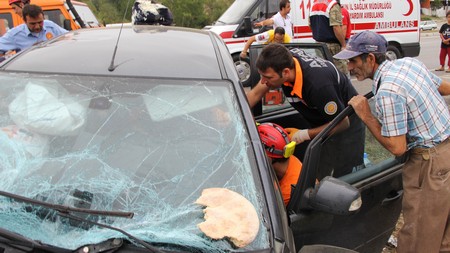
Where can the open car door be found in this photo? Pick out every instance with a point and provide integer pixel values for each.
(379, 183)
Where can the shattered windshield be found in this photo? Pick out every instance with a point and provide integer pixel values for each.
(137, 145)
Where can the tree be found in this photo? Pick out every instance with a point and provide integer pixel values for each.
(192, 13)
(186, 13)
(110, 11)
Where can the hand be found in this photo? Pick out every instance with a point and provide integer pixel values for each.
(258, 24)
(361, 106)
(298, 135)
(243, 54)
(10, 53)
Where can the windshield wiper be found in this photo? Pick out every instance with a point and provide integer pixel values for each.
(25, 244)
(132, 237)
(65, 209)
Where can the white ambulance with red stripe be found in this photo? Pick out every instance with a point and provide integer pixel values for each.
(397, 20)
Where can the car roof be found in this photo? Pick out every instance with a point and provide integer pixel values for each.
(150, 51)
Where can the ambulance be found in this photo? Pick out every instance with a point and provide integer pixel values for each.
(397, 20)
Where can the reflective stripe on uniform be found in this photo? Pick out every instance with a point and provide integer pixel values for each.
(293, 99)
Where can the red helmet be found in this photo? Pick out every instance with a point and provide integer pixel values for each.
(275, 140)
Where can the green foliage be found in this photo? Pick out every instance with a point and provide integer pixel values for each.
(187, 13)
(374, 149)
(110, 11)
(436, 4)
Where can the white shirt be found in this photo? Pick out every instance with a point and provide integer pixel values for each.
(286, 23)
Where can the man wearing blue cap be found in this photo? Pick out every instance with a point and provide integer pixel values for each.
(410, 116)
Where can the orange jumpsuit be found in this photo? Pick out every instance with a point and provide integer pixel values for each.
(290, 178)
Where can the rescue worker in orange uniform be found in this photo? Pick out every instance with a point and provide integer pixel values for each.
(280, 151)
(319, 92)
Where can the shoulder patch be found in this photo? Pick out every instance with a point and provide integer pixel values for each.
(330, 108)
(49, 35)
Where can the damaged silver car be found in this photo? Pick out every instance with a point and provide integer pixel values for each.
(141, 139)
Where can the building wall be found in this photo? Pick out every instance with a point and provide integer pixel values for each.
(425, 4)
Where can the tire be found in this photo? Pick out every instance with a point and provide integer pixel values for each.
(392, 53)
(242, 66)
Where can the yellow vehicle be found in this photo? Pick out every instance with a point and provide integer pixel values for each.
(69, 14)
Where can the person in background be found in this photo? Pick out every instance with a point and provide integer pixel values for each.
(444, 33)
(18, 5)
(346, 26)
(33, 31)
(281, 19)
(325, 19)
(346, 22)
(272, 36)
(280, 151)
(319, 92)
(410, 116)
(3, 26)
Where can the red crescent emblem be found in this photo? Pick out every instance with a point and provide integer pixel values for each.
(411, 7)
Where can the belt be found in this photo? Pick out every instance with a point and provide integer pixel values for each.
(421, 151)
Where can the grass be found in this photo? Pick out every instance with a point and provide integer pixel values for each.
(426, 17)
(375, 151)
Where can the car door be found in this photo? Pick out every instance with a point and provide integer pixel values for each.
(379, 182)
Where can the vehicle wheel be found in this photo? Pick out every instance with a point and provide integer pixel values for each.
(392, 53)
(243, 69)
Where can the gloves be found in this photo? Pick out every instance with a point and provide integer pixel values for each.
(298, 135)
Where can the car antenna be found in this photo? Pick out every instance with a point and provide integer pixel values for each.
(111, 67)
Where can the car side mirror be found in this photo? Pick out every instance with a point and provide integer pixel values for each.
(248, 25)
(67, 25)
(334, 196)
